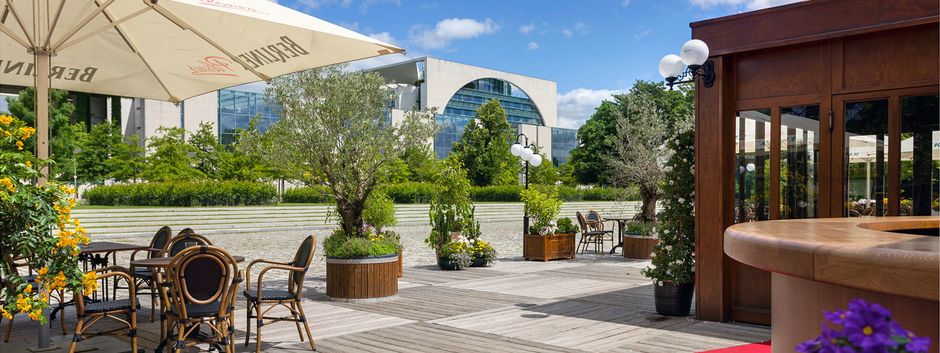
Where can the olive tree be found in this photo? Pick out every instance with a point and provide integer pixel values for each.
(334, 131)
(639, 146)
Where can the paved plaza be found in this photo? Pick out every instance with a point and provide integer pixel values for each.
(595, 303)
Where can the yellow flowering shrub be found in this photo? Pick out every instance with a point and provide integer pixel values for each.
(27, 214)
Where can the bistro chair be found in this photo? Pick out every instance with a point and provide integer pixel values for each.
(185, 239)
(145, 280)
(589, 235)
(203, 281)
(90, 314)
(599, 224)
(289, 299)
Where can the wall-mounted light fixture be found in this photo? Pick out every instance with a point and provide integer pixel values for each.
(692, 61)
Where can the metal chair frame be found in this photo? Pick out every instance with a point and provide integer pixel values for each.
(88, 319)
(178, 296)
(295, 287)
(589, 235)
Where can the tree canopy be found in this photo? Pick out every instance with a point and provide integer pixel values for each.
(332, 130)
(483, 149)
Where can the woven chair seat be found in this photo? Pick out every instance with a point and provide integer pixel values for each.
(142, 273)
(252, 295)
(201, 310)
(108, 305)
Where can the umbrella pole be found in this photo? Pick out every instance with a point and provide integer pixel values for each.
(41, 60)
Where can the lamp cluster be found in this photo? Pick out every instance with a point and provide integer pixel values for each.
(692, 61)
(526, 153)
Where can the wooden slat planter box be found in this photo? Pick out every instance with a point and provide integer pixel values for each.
(549, 247)
(638, 246)
(366, 279)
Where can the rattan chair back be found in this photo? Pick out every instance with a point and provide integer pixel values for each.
(159, 241)
(202, 276)
(581, 221)
(184, 240)
(302, 258)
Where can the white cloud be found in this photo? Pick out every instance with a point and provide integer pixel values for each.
(749, 5)
(527, 28)
(533, 46)
(385, 37)
(567, 33)
(581, 28)
(625, 3)
(577, 105)
(449, 30)
(642, 34)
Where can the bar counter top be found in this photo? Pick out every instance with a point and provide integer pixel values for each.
(859, 253)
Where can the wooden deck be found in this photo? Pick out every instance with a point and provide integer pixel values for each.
(592, 304)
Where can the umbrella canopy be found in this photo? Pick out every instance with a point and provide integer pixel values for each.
(167, 50)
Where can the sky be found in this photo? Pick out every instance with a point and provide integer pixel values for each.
(591, 48)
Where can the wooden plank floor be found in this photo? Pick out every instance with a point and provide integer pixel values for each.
(591, 304)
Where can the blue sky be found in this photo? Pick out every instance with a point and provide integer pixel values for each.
(591, 48)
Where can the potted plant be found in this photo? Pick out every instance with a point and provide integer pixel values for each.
(454, 229)
(673, 265)
(545, 239)
(329, 136)
(864, 327)
(482, 253)
(35, 223)
(638, 240)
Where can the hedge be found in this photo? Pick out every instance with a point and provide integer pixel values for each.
(203, 193)
(317, 194)
(423, 193)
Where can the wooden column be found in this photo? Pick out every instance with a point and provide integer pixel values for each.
(714, 192)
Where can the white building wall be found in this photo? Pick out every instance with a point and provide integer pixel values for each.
(443, 79)
(540, 136)
(201, 109)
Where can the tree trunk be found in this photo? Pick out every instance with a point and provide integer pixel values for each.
(351, 216)
(648, 208)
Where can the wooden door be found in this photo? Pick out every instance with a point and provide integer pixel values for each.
(782, 151)
(885, 153)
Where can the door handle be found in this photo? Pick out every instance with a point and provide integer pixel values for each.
(830, 121)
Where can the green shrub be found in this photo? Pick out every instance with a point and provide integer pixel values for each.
(316, 194)
(500, 193)
(380, 210)
(566, 226)
(204, 193)
(543, 207)
(410, 192)
(340, 246)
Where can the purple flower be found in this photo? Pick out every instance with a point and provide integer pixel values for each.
(918, 345)
(827, 342)
(835, 317)
(868, 326)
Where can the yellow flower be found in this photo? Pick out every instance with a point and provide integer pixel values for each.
(26, 132)
(90, 282)
(58, 282)
(22, 304)
(29, 164)
(43, 271)
(6, 314)
(7, 133)
(5, 120)
(19, 145)
(8, 184)
(28, 289)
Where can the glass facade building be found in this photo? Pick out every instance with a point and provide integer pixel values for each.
(238, 108)
(462, 106)
(563, 141)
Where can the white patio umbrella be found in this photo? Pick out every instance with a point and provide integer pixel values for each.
(167, 50)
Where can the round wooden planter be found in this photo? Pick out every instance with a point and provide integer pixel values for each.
(638, 246)
(368, 279)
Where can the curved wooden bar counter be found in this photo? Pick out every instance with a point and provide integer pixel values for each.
(820, 264)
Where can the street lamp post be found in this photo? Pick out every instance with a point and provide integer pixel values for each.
(525, 152)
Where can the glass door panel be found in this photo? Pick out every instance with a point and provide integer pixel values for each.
(866, 158)
(920, 156)
(752, 153)
(799, 161)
